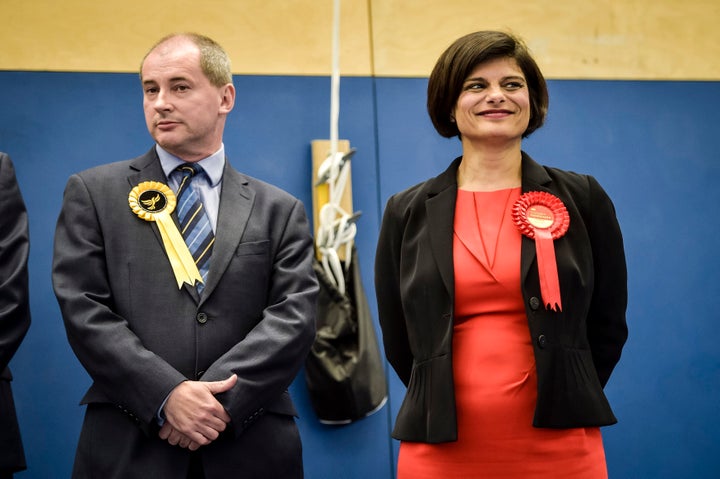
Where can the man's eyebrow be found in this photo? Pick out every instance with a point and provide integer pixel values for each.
(172, 80)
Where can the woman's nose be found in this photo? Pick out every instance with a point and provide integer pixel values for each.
(495, 94)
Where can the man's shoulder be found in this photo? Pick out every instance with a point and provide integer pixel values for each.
(106, 169)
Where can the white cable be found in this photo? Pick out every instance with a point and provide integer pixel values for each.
(335, 80)
(336, 227)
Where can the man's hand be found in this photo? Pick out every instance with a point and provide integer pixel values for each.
(194, 417)
(176, 438)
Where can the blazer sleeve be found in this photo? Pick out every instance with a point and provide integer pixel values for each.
(387, 291)
(606, 322)
(14, 248)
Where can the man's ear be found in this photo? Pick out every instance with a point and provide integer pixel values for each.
(227, 93)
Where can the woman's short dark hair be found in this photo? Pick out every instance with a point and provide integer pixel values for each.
(460, 59)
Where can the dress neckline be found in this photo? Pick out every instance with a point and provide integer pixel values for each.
(482, 220)
(505, 190)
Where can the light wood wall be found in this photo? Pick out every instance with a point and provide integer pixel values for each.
(574, 39)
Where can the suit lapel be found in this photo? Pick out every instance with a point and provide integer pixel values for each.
(148, 168)
(236, 201)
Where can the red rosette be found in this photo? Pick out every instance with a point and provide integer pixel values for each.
(544, 218)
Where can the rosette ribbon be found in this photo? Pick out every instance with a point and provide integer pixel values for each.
(544, 218)
(155, 201)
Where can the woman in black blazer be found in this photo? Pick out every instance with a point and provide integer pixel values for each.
(487, 90)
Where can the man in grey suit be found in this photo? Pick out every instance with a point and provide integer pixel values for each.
(190, 364)
(14, 309)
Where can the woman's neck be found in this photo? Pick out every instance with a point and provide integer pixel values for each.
(488, 169)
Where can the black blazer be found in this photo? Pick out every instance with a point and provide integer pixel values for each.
(575, 350)
(14, 307)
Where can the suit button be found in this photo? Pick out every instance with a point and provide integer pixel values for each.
(534, 303)
(201, 318)
(542, 341)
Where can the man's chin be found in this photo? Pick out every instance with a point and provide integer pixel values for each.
(167, 142)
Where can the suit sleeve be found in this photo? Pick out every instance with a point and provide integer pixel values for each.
(124, 372)
(607, 326)
(14, 248)
(270, 356)
(387, 291)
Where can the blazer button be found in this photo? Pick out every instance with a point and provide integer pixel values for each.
(542, 341)
(201, 318)
(534, 303)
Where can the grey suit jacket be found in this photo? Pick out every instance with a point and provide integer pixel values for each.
(14, 307)
(575, 350)
(139, 336)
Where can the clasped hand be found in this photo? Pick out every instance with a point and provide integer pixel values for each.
(194, 417)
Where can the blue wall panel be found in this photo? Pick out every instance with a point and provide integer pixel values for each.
(650, 144)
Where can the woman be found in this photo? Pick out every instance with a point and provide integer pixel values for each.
(501, 287)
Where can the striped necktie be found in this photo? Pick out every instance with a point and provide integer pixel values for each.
(194, 222)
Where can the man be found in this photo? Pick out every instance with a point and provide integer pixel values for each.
(190, 362)
(14, 309)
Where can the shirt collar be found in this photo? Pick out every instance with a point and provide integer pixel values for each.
(213, 165)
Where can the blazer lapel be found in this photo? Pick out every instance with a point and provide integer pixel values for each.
(440, 207)
(534, 178)
(236, 202)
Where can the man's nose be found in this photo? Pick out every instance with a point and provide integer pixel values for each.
(161, 101)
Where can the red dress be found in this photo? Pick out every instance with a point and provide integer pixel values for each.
(494, 366)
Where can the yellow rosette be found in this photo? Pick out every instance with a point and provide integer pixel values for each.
(155, 201)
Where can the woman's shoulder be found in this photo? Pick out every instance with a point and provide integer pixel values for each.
(581, 190)
(582, 184)
(411, 194)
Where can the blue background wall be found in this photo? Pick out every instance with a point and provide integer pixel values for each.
(650, 144)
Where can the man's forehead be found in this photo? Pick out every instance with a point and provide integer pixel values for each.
(174, 63)
(170, 51)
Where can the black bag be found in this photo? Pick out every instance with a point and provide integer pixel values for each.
(344, 370)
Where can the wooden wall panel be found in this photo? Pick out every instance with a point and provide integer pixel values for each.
(268, 37)
(578, 39)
